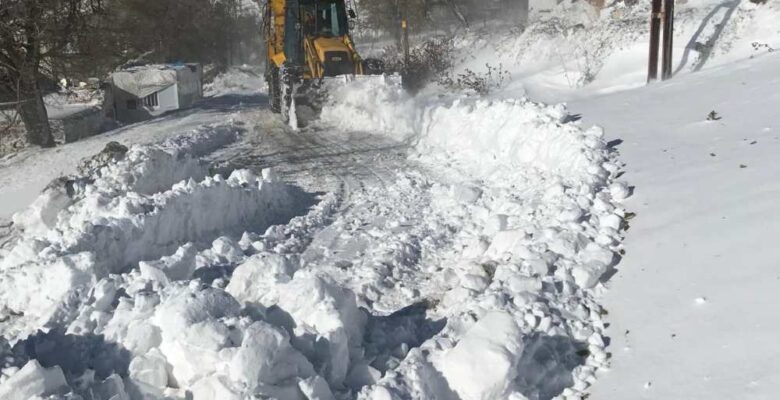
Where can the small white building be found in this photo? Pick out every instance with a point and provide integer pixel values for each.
(139, 93)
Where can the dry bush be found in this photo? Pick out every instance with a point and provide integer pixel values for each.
(11, 132)
(427, 62)
(481, 83)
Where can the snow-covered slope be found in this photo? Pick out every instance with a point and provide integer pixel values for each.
(576, 53)
(693, 308)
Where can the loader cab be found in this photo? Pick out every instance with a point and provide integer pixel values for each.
(317, 39)
(324, 19)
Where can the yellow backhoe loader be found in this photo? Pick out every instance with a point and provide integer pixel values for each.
(308, 41)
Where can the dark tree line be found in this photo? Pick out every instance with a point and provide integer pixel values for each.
(42, 41)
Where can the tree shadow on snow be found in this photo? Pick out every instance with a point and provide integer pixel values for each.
(705, 49)
(409, 326)
(547, 365)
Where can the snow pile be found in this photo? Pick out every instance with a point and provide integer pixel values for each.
(142, 296)
(534, 201)
(106, 226)
(242, 81)
(491, 138)
(141, 169)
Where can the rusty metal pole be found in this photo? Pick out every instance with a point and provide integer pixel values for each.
(405, 29)
(655, 40)
(666, 69)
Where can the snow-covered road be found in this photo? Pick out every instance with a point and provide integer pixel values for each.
(387, 252)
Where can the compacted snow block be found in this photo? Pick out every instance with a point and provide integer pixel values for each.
(34, 381)
(37, 290)
(267, 358)
(329, 314)
(193, 331)
(483, 364)
(253, 281)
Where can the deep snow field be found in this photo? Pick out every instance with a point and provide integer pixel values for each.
(443, 246)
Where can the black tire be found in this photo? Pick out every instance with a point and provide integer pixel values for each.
(287, 80)
(274, 89)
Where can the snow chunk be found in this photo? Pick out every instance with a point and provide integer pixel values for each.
(315, 388)
(187, 307)
(215, 387)
(38, 290)
(328, 313)
(176, 267)
(32, 381)
(508, 243)
(193, 333)
(483, 364)
(619, 191)
(254, 280)
(587, 276)
(150, 368)
(267, 358)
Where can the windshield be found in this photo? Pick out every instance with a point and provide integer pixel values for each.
(324, 18)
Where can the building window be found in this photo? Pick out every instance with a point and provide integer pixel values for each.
(150, 101)
(131, 104)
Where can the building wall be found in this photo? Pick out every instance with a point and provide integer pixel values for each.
(168, 100)
(125, 114)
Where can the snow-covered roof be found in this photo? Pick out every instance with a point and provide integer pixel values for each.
(144, 80)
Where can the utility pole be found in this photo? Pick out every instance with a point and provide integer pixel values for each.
(666, 66)
(655, 36)
(662, 17)
(405, 29)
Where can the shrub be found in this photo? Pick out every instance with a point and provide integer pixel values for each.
(427, 62)
(481, 83)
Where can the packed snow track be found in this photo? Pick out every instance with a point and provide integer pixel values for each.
(401, 248)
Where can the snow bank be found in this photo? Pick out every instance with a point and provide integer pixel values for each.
(134, 228)
(140, 169)
(114, 217)
(135, 277)
(536, 208)
(485, 137)
(493, 137)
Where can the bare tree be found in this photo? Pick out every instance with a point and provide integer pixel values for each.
(33, 35)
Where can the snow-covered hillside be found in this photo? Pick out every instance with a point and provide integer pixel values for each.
(445, 246)
(693, 306)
